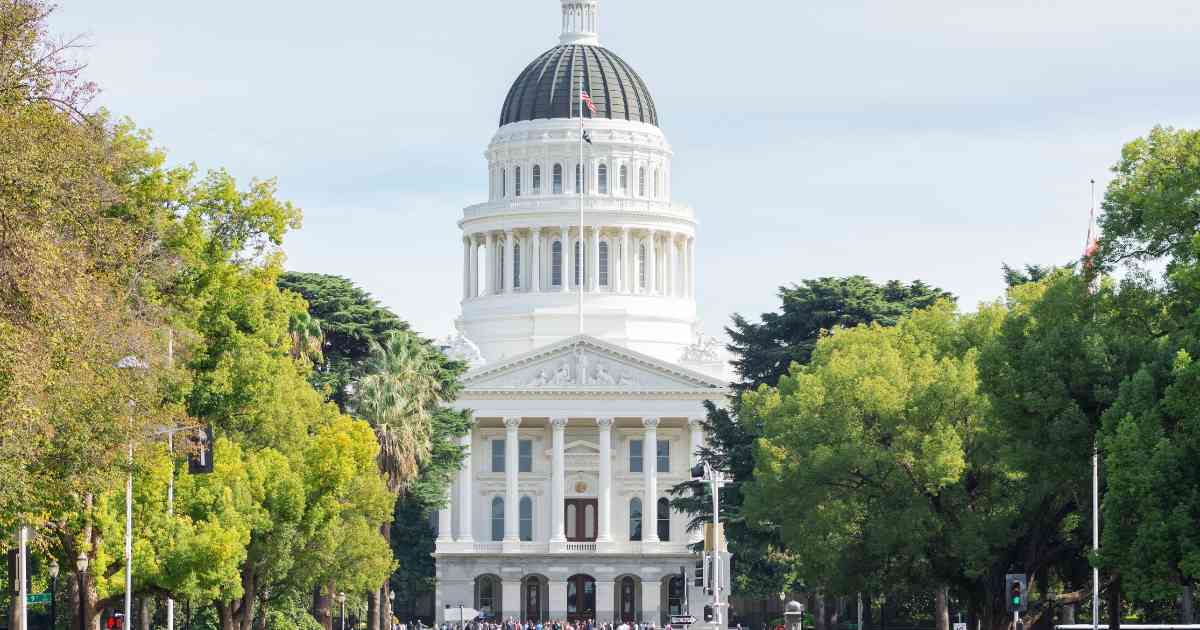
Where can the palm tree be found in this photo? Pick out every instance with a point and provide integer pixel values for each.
(405, 380)
(307, 338)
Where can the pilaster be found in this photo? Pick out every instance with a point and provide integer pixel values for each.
(650, 474)
(558, 480)
(604, 493)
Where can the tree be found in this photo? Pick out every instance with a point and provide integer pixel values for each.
(866, 457)
(351, 321)
(765, 351)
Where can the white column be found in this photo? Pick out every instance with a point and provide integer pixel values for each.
(512, 531)
(445, 533)
(557, 482)
(651, 264)
(474, 292)
(603, 530)
(650, 474)
(696, 428)
(535, 260)
(568, 255)
(466, 277)
(489, 257)
(594, 263)
(691, 266)
(672, 265)
(464, 492)
(509, 261)
(628, 262)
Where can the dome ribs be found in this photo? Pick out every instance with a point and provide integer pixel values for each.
(549, 87)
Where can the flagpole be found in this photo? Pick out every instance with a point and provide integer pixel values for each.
(1095, 462)
(582, 179)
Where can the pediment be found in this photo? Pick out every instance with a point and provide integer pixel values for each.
(584, 363)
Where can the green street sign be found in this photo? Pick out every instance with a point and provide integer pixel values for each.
(38, 598)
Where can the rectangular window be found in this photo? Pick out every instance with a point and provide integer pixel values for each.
(635, 456)
(497, 456)
(525, 456)
(664, 456)
(603, 264)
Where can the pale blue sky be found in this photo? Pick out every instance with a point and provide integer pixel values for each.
(927, 139)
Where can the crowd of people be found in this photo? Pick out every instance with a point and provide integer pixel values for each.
(554, 624)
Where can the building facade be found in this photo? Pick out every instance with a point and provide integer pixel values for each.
(589, 375)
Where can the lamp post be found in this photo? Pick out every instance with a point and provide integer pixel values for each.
(53, 590)
(391, 609)
(342, 600)
(129, 363)
(81, 565)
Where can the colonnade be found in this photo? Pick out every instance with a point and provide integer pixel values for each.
(624, 260)
(604, 426)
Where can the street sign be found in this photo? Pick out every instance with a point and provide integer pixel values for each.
(960, 626)
(682, 620)
(38, 598)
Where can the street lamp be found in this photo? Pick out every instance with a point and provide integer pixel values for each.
(341, 597)
(391, 609)
(53, 569)
(81, 564)
(129, 363)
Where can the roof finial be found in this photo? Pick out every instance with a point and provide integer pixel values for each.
(581, 22)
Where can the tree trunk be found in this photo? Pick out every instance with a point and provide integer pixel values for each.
(261, 623)
(225, 613)
(321, 605)
(1067, 614)
(1114, 605)
(385, 608)
(1187, 605)
(819, 610)
(14, 591)
(145, 613)
(373, 610)
(941, 605)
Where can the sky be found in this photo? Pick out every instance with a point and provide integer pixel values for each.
(928, 139)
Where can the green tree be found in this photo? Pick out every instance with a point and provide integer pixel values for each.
(869, 454)
(764, 352)
(351, 321)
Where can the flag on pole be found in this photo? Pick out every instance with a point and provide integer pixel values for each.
(587, 137)
(587, 100)
(1092, 246)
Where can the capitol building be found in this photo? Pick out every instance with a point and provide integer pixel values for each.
(589, 375)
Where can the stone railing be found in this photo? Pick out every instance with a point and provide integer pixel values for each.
(489, 547)
(580, 547)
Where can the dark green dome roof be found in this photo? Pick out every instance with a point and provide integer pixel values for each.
(549, 87)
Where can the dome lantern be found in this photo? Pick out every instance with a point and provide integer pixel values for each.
(581, 22)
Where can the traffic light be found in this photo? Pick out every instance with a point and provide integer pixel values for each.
(699, 577)
(115, 622)
(708, 613)
(1018, 595)
(698, 471)
(200, 453)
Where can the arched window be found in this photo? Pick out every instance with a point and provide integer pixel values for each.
(642, 265)
(557, 179)
(517, 181)
(603, 185)
(657, 178)
(664, 519)
(487, 595)
(635, 519)
(603, 264)
(642, 182)
(503, 183)
(675, 596)
(624, 183)
(526, 519)
(556, 262)
(497, 518)
(516, 265)
(537, 179)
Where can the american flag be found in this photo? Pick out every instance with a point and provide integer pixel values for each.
(587, 100)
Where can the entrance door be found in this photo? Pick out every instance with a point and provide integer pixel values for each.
(628, 600)
(533, 600)
(580, 515)
(581, 597)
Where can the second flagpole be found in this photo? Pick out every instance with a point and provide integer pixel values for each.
(581, 259)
